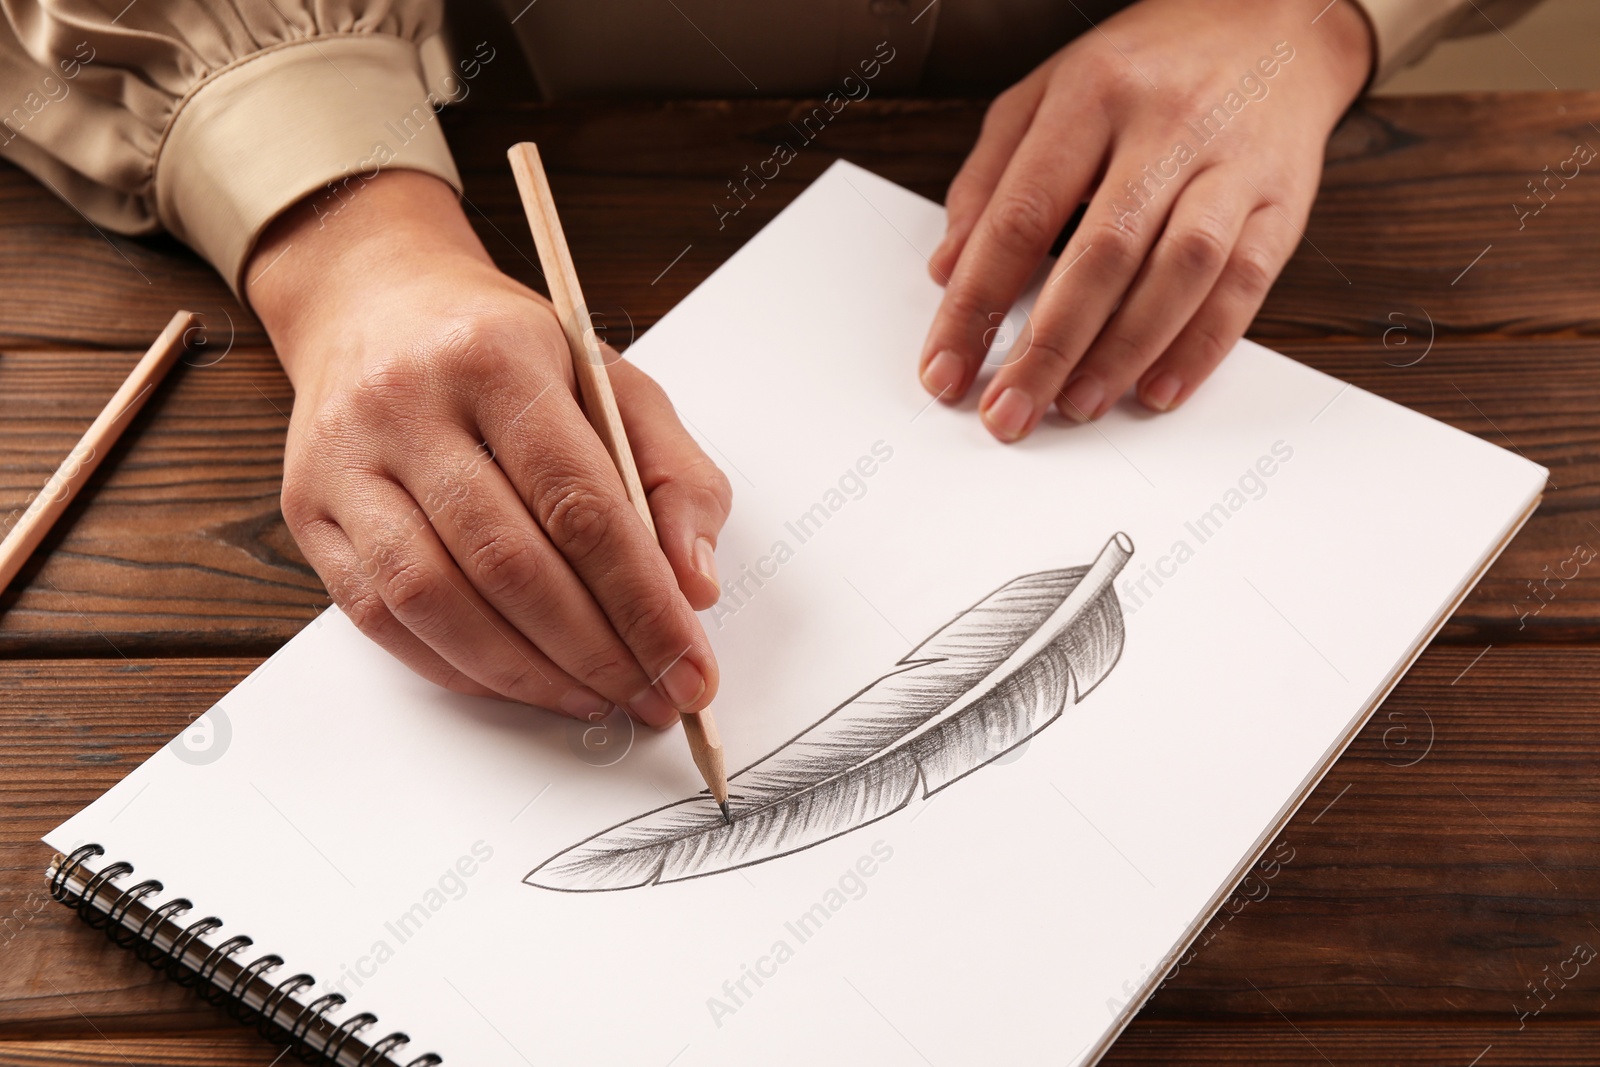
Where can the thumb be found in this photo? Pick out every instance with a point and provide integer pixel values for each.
(689, 496)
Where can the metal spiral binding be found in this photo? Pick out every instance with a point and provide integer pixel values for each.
(300, 1029)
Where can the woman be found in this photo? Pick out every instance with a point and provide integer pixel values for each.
(439, 473)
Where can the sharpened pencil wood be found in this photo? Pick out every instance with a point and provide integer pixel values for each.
(51, 501)
(588, 361)
(705, 744)
(600, 405)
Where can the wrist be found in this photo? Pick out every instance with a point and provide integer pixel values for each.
(1351, 47)
(334, 254)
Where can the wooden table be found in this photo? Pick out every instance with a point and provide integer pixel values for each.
(1448, 861)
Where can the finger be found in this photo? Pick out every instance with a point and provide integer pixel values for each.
(569, 483)
(1004, 125)
(507, 558)
(425, 591)
(1265, 244)
(1182, 269)
(689, 495)
(1042, 184)
(1093, 274)
(329, 551)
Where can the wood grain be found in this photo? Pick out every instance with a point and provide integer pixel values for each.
(177, 542)
(1445, 860)
(1414, 188)
(69, 729)
(49, 501)
(1537, 398)
(137, 1050)
(179, 547)
(1293, 1042)
(1280, 1043)
(68, 284)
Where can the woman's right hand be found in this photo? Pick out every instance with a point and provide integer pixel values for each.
(442, 479)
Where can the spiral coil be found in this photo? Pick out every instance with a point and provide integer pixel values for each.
(280, 1016)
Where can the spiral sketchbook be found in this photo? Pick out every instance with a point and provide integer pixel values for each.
(1011, 722)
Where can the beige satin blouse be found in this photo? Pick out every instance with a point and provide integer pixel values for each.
(209, 117)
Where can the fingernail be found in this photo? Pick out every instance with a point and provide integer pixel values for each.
(585, 703)
(705, 561)
(647, 704)
(1009, 415)
(1161, 391)
(942, 376)
(1084, 397)
(683, 683)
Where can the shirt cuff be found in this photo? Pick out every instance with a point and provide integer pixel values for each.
(253, 140)
(1404, 29)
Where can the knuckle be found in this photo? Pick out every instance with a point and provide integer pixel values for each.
(651, 617)
(1117, 349)
(520, 678)
(601, 664)
(964, 194)
(387, 385)
(446, 677)
(1183, 98)
(1211, 345)
(297, 504)
(367, 611)
(694, 501)
(413, 591)
(505, 564)
(721, 490)
(1117, 245)
(463, 346)
(578, 519)
(1277, 188)
(1050, 359)
(713, 486)
(1024, 219)
(338, 433)
(1253, 270)
(1199, 249)
(460, 351)
(639, 389)
(997, 111)
(965, 301)
(1112, 75)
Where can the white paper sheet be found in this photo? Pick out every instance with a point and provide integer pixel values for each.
(375, 831)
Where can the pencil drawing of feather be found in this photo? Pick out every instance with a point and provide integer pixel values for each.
(984, 683)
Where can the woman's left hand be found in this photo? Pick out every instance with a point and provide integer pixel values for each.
(1195, 130)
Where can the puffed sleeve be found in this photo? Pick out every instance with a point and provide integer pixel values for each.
(1405, 29)
(208, 118)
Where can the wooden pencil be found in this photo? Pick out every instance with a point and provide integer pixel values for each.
(48, 504)
(600, 404)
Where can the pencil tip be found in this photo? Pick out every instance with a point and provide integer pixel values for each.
(727, 817)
